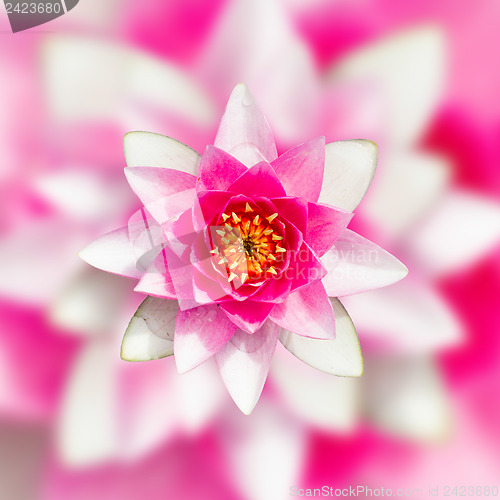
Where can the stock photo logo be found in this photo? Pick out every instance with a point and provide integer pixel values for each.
(27, 15)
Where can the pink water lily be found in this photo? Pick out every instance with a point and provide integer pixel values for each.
(239, 247)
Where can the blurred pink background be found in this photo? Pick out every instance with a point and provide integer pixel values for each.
(419, 78)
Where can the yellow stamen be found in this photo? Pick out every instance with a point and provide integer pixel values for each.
(271, 256)
(219, 231)
(257, 266)
(279, 249)
(272, 217)
(272, 270)
(233, 265)
(247, 225)
(232, 276)
(244, 276)
(235, 218)
(248, 208)
(276, 237)
(215, 251)
(225, 217)
(256, 220)
(229, 226)
(268, 231)
(223, 260)
(225, 240)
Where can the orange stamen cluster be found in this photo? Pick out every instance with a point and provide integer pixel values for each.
(248, 245)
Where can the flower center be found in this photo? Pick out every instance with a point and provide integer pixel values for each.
(249, 245)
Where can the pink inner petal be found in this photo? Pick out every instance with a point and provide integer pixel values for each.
(248, 315)
(301, 169)
(307, 312)
(199, 333)
(260, 180)
(218, 170)
(324, 225)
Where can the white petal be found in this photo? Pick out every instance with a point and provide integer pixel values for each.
(406, 317)
(266, 453)
(276, 64)
(409, 68)
(244, 131)
(113, 253)
(324, 401)
(407, 397)
(84, 195)
(349, 170)
(341, 356)
(91, 303)
(88, 432)
(406, 188)
(148, 415)
(150, 334)
(123, 80)
(147, 149)
(37, 257)
(199, 395)
(463, 228)
(244, 363)
(356, 265)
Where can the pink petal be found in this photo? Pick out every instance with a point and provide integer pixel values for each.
(301, 169)
(113, 253)
(260, 180)
(207, 206)
(146, 238)
(307, 312)
(218, 170)
(170, 206)
(244, 363)
(305, 267)
(293, 240)
(356, 265)
(274, 290)
(151, 183)
(294, 210)
(247, 315)
(201, 258)
(206, 290)
(324, 225)
(199, 334)
(244, 131)
(157, 280)
(181, 234)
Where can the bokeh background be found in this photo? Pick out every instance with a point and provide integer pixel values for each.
(421, 79)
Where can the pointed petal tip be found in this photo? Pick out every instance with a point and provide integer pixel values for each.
(400, 270)
(182, 365)
(245, 405)
(82, 254)
(247, 410)
(90, 255)
(243, 93)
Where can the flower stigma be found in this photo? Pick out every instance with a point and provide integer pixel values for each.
(247, 245)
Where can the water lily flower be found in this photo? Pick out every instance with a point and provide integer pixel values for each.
(241, 246)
